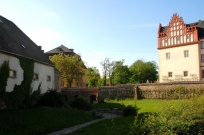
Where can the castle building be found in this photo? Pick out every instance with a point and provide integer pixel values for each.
(181, 50)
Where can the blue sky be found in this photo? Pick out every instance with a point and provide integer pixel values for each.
(96, 29)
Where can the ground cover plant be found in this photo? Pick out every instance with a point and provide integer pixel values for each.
(164, 117)
(40, 120)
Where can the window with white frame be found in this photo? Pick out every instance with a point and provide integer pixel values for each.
(170, 74)
(35, 77)
(167, 56)
(202, 44)
(12, 73)
(48, 78)
(185, 73)
(202, 58)
(186, 53)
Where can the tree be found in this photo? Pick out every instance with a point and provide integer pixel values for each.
(121, 73)
(93, 76)
(108, 68)
(71, 67)
(142, 71)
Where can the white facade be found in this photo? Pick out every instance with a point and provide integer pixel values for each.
(43, 71)
(180, 60)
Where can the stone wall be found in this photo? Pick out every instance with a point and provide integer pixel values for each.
(72, 93)
(174, 90)
(117, 91)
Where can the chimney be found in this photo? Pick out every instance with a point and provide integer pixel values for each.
(43, 51)
(40, 47)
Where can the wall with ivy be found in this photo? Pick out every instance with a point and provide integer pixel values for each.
(17, 91)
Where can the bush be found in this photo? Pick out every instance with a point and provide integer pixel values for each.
(81, 103)
(186, 119)
(52, 98)
(130, 111)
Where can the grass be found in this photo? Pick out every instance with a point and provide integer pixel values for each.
(171, 117)
(145, 105)
(106, 127)
(39, 121)
(43, 120)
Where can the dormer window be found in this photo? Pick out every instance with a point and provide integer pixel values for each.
(23, 46)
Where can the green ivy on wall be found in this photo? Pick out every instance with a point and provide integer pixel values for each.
(21, 93)
(4, 74)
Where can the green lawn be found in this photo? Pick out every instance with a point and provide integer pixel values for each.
(43, 120)
(145, 105)
(106, 127)
(39, 121)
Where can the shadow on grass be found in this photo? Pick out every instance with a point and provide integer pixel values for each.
(108, 105)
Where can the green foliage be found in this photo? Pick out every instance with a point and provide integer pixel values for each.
(81, 103)
(130, 111)
(4, 74)
(93, 76)
(21, 93)
(185, 119)
(52, 98)
(71, 67)
(32, 97)
(101, 82)
(40, 120)
(121, 73)
(142, 71)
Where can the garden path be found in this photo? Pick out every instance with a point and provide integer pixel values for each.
(74, 128)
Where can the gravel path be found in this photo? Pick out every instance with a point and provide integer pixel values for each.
(74, 128)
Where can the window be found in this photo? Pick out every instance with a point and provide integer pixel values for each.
(167, 56)
(202, 58)
(12, 73)
(202, 45)
(35, 77)
(186, 54)
(187, 36)
(169, 74)
(202, 73)
(48, 78)
(185, 73)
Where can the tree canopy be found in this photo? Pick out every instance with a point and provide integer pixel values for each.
(93, 76)
(71, 67)
(121, 73)
(108, 68)
(142, 71)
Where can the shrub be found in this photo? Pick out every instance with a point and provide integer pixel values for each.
(185, 119)
(52, 98)
(130, 111)
(81, 103)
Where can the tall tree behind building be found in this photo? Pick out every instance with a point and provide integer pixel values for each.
(71, 67)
